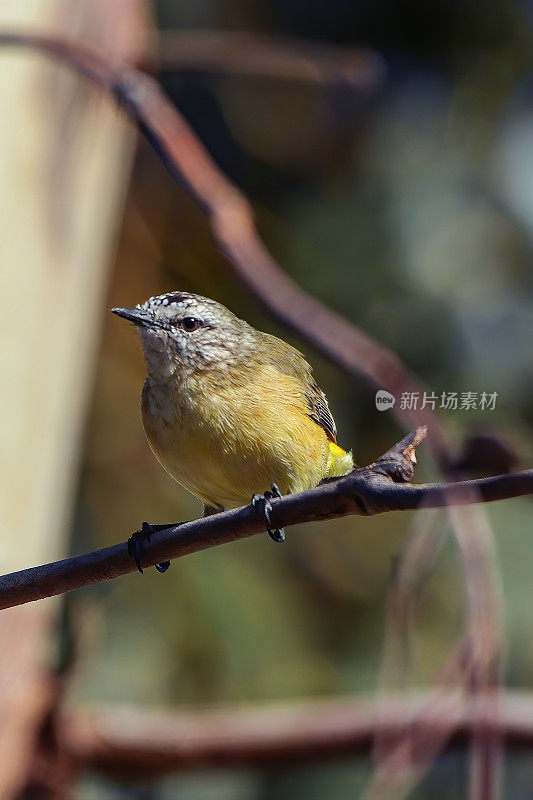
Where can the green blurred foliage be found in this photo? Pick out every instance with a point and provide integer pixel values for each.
(410, 214)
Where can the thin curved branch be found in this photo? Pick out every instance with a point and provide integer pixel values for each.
(375, 489)
(249, 53)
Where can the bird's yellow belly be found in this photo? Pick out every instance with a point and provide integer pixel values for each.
(224, 456)
(228, 472)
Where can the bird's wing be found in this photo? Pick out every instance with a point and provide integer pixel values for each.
(319, 410)
(290, 361)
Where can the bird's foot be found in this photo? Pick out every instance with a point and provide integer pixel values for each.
(137, 545)
(261, 503)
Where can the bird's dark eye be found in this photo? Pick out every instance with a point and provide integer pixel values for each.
(190, 324)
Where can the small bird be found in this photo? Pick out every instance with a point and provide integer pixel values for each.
(228, 409)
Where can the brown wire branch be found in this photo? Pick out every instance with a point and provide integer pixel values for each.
(249, 53)
(144, 742)
(378, 488)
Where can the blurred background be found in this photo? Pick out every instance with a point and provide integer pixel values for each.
(406, 206)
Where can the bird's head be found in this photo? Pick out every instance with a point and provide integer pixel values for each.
(181, 331)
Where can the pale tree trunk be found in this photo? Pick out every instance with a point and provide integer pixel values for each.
(65, 161)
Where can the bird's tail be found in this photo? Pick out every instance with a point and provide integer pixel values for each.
(339, 462)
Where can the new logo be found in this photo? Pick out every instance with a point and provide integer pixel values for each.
(384, 400)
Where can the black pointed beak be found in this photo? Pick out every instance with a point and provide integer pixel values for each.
(136, 315)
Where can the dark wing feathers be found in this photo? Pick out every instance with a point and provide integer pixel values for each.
(319, 410)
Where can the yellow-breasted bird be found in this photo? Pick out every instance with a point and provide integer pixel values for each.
(228, 409)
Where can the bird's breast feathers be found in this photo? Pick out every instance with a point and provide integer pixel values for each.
(224, 441)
